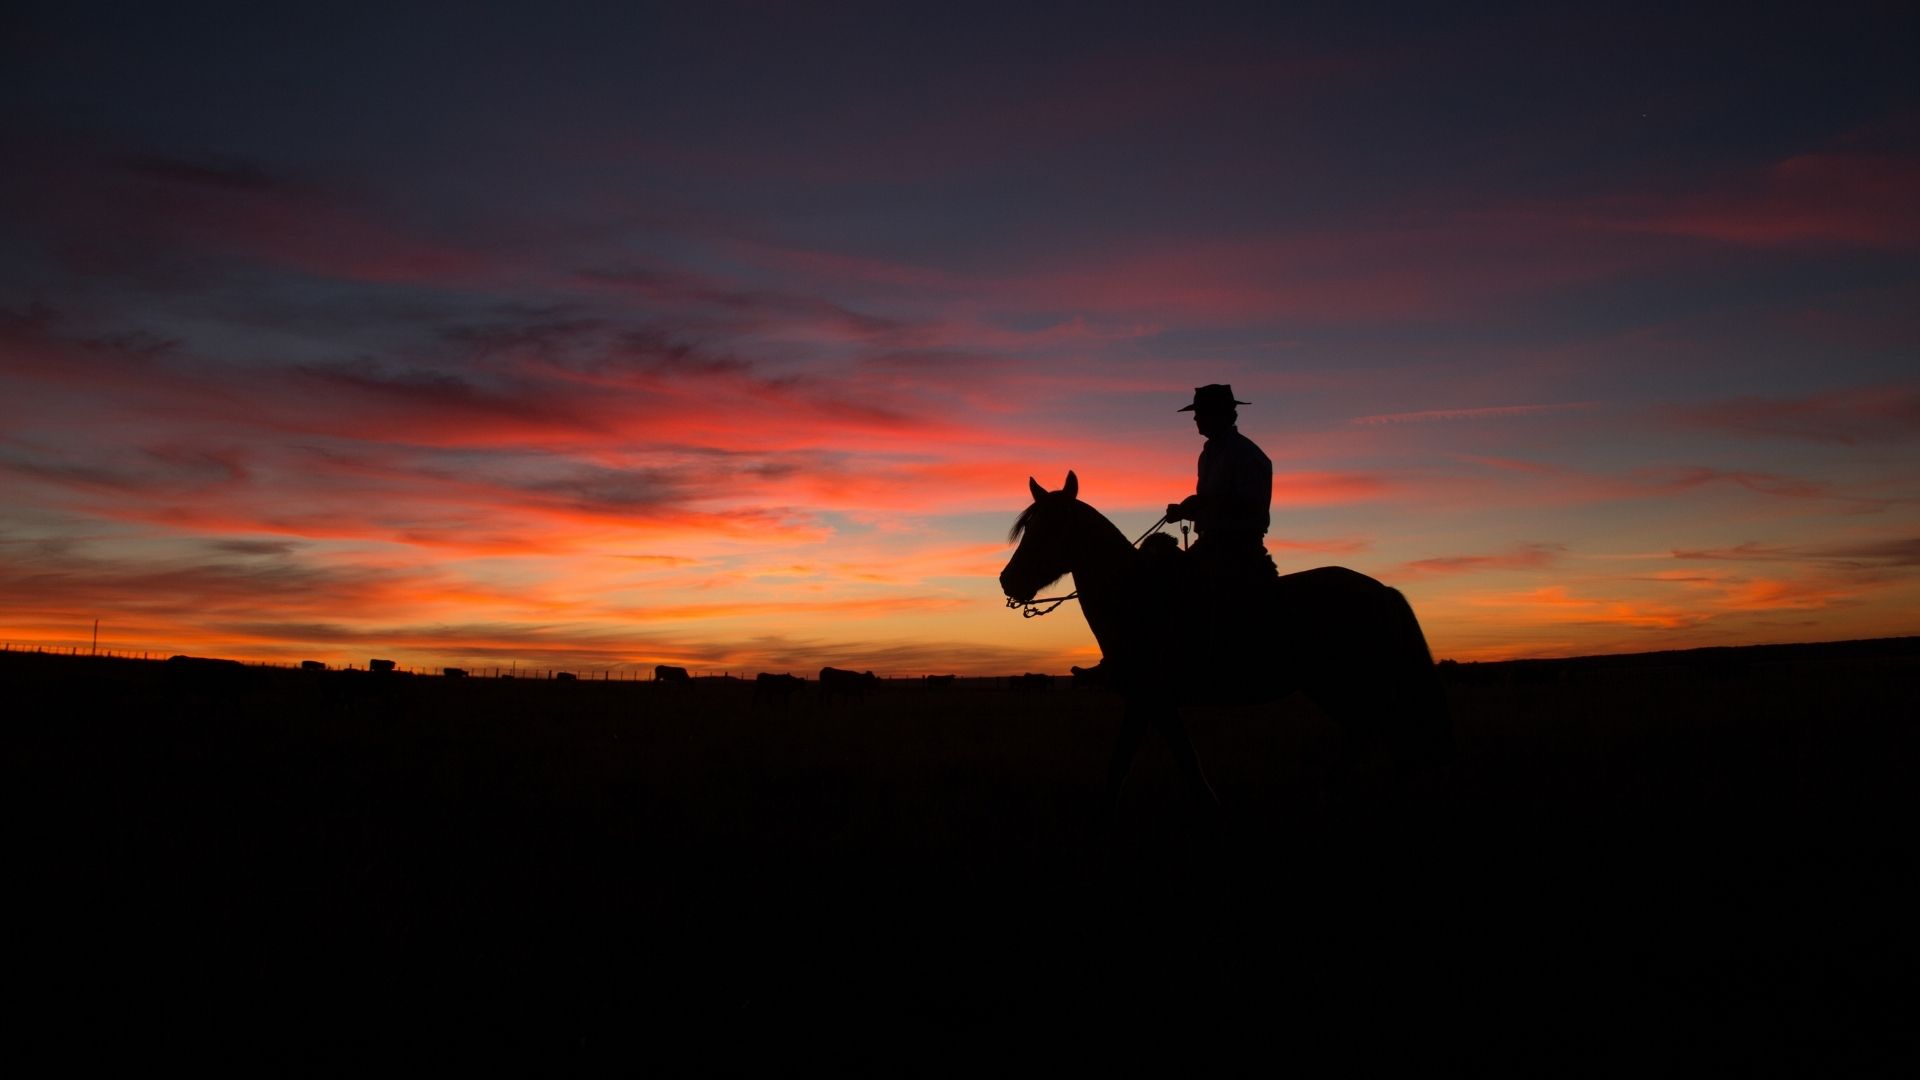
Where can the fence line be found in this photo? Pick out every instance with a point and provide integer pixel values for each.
(634, 673)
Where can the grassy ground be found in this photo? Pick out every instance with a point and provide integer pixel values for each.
(1645, 871)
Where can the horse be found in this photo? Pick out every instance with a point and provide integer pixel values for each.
(1350, 644)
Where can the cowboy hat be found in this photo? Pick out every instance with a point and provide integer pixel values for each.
(1213, 397)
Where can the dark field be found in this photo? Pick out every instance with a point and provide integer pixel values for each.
(1642, 867)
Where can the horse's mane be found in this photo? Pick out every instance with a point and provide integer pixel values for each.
(1020, 523)
(1026, 518)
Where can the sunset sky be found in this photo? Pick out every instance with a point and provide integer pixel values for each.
(595, 337)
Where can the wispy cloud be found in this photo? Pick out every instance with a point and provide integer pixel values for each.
(1527, 556)
(1492, 412)
(1723, 592)
(1687, 478)
(1886, 413)
(1556, 604)
(1849, 555)
(1833, 197)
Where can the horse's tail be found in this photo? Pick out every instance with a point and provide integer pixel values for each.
(1423, 700)
(1414, 637)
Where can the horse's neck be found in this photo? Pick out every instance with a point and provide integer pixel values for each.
(1105, 569)
(1102, 558)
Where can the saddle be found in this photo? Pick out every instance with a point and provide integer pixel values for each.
(1224, 603)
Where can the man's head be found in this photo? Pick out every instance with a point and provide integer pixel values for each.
(1213, 409)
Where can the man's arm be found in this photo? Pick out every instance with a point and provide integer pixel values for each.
(1191, 507)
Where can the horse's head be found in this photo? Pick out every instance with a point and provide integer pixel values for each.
(1044, 532)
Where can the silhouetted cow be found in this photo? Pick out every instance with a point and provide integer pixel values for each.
(775, 689)
(312, 665)
(181, 662)
(851, 685)
(454, 672)
(1031, 681)
(379, 665)
(204, 672)
(668, 673)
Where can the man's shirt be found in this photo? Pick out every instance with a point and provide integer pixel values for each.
(1236, 485)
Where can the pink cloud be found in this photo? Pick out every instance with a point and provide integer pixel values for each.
(143, 211)
(1522, 482)
(1832, 197)
(1842, 417)
(1508, 464)
(1493, 412)
(1293, 489)
(1318, 277)
(1043, 113)
(1884, 318)
(1325, 547)
(1404, 264)
(1676, 479)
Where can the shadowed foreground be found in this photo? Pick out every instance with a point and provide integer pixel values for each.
(1639, 868)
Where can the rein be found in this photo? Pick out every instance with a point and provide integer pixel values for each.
(1031, 609)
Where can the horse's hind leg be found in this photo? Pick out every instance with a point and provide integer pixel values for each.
(1391, 742)
(1132, 726)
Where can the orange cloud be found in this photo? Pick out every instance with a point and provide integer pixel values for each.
(1729, 591)
(1557, 604)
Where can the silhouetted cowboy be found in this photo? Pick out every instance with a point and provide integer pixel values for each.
(1229, 507)
(1223, 580)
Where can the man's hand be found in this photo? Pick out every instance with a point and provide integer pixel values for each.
(1184, 509)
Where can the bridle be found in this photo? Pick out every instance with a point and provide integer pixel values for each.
(1031, 609)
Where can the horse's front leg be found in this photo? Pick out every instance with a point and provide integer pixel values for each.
(1160, 711)
(1133, 725)
(1176, 735)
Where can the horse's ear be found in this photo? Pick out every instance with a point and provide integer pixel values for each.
(1034, 486)
(1072, 490)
